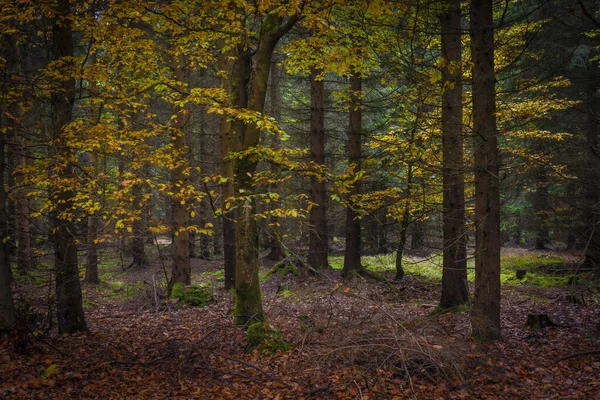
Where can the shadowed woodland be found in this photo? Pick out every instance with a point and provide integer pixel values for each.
(300, 199)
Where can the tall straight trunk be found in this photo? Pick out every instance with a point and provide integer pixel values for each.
(592, 195)
(20, 151)
(69, 306)
(138, 248)
(276, 249)
(404, 224)
(91, 262)
(319, 240)
(454, 275)
(541, 206)
(236, 86)
(485, 317)
(247, 285)
(181, 272)
(352, 249)
(7, 308)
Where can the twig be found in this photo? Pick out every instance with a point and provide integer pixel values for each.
(359, 391)
(266, 374)
(581, 354)
(317, 389)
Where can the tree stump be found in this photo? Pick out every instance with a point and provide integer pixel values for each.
(537, 322)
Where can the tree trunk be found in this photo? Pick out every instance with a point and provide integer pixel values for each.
(7, 309)
(138, 249)
(181, 272)
(318, 242)
(247, 286)
(485, 318)
(68, 290)
(541, 206)
(20, 151)
(404, 224)
(592, 206)
(229, 133)
(454, 275)
(276, 252)
(352, 250)
(91, 263)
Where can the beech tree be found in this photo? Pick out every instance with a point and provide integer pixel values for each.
(247, 286)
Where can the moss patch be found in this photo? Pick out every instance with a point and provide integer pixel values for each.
(194, 295)
(265, 338)
(248, 304)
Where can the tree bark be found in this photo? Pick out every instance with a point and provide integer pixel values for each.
(138, 249)
(248, 296)
(7, 308)
(454, 275)
(229, 133)
(352, 249)
(592, 196)
(404, 224)
(69, 306)
(541, 206)
(485, 317)
(276, 252)
(181, 272)
(91, 263)
(319, 240)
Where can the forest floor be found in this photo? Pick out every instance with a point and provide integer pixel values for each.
(359, 339)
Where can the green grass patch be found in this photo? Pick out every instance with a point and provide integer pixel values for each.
(430, 267)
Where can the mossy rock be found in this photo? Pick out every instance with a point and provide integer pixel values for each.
(265, 338)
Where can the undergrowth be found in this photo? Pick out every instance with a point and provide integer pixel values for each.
(537, 267)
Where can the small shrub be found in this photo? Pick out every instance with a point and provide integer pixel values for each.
(265, 338)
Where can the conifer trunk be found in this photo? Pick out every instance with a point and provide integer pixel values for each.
(276, 252)
(7, 309)
(181, 272)
(485, 317)
(91, 263)
(319, 239)
(68, 290)
(592, 206)
(454, 275)
(352, 249)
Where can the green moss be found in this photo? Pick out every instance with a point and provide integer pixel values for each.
(178, 291)
(285, 293)
(219, 275)
(248, 304)
(463, 308)
(195, 295)
(198, 296)
(265, 338)
(284, 268)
